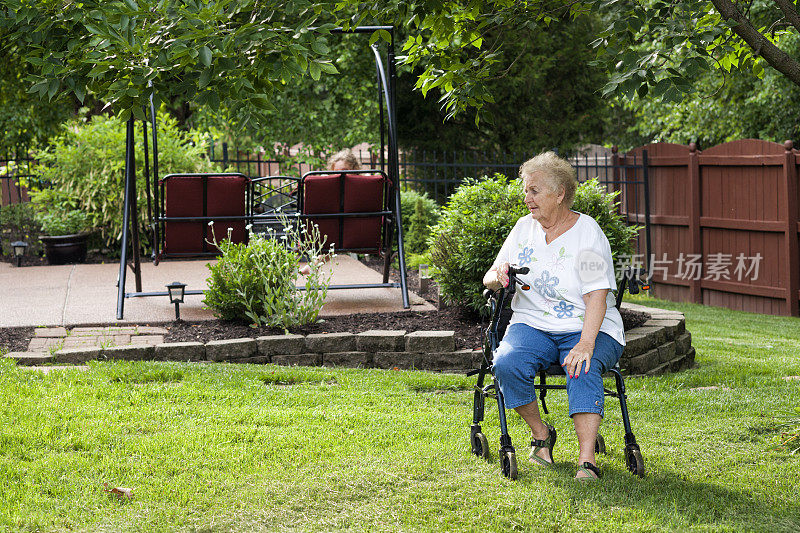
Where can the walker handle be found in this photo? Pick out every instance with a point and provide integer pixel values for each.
(513, 272)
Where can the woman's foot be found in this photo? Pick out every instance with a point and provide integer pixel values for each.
(587, 472)
(542, 449)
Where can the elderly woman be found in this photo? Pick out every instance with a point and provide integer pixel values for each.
(568, 316)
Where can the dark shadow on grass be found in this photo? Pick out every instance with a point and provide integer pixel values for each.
(287, 379)
(663, 494)
(150, 375)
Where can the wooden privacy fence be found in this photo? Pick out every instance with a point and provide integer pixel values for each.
(724, 224)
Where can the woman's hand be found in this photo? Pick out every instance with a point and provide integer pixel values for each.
(497, 277)
(581, 353)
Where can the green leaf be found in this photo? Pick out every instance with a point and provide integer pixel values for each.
(52, 88)
(320, 48)
(328, 67)
(205, 56)
(93, 29)
(661, 86)
(205, 78)
(314, 70)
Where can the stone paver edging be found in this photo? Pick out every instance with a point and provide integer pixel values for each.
(661, 345)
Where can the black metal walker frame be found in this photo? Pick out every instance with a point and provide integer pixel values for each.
(631, 280)
(387, 82)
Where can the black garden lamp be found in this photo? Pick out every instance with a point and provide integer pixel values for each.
(19, 248)
(176, 292)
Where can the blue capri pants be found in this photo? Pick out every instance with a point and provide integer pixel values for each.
(525, 350)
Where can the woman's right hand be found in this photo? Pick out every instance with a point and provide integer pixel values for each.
(497, 277)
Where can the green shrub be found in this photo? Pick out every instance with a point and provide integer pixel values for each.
(479, 217)
(17, 222)
(413, 261)
(85, 169)
(255, 282)
(60, 222)
(474, 223)
(419, 213)
(592, 199)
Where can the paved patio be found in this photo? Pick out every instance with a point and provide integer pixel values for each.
(75, 295)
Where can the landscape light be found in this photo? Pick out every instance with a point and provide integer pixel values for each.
(19, 250)
(177, 291)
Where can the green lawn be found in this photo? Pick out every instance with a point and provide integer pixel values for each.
(249, 448)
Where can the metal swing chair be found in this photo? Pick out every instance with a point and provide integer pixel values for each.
(358, 211)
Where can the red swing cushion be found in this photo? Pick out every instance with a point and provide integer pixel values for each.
(363, 193)
(225, 196)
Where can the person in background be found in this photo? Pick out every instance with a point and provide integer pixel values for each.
(342, 160)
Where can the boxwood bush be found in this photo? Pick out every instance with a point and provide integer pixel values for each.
(475, 222)
(478, 218)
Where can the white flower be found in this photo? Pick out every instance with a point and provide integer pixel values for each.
(210, 222)
(248, 227)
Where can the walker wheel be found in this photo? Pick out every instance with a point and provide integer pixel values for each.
(480, 446)
(634, 460)
(508, 462)
(600, 444)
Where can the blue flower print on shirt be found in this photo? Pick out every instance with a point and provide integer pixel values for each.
(546, 285)
(563, 309)
(525, 256)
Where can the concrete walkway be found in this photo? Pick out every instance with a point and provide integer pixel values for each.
(74, 295)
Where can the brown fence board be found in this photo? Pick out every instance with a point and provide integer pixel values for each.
(736, 198)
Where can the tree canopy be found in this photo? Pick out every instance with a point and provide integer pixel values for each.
(722, 108)
(226, 51)
(238, 53)
(546, 97)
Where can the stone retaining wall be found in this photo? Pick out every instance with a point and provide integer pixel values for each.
(660, 345)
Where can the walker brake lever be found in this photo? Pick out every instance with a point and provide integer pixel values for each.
(512, 275)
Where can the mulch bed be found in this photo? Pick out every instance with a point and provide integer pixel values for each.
(466, 325)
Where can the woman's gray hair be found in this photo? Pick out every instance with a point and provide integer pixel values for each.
(557, 172)
(347, 156)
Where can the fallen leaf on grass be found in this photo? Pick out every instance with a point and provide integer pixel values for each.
(121, 492)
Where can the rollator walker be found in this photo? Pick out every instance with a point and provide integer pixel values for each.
(498, 301)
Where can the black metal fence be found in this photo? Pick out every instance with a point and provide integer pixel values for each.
(434, 172)
(440, 173)
(15, 166)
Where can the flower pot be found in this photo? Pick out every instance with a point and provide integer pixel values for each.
(65, 249)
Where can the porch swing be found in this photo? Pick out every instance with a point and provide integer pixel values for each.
(357, 211)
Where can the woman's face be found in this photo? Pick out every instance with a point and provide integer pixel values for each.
(541, 201)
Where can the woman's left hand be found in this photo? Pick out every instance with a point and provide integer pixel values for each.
(581, 353)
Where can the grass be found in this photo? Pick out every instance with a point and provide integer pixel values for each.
(264, 448)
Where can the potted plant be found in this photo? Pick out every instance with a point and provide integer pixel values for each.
(65, 235)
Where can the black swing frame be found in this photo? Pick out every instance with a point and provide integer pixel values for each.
(631, 280)
(389, 164)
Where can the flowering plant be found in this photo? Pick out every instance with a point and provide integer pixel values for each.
(256, 281)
